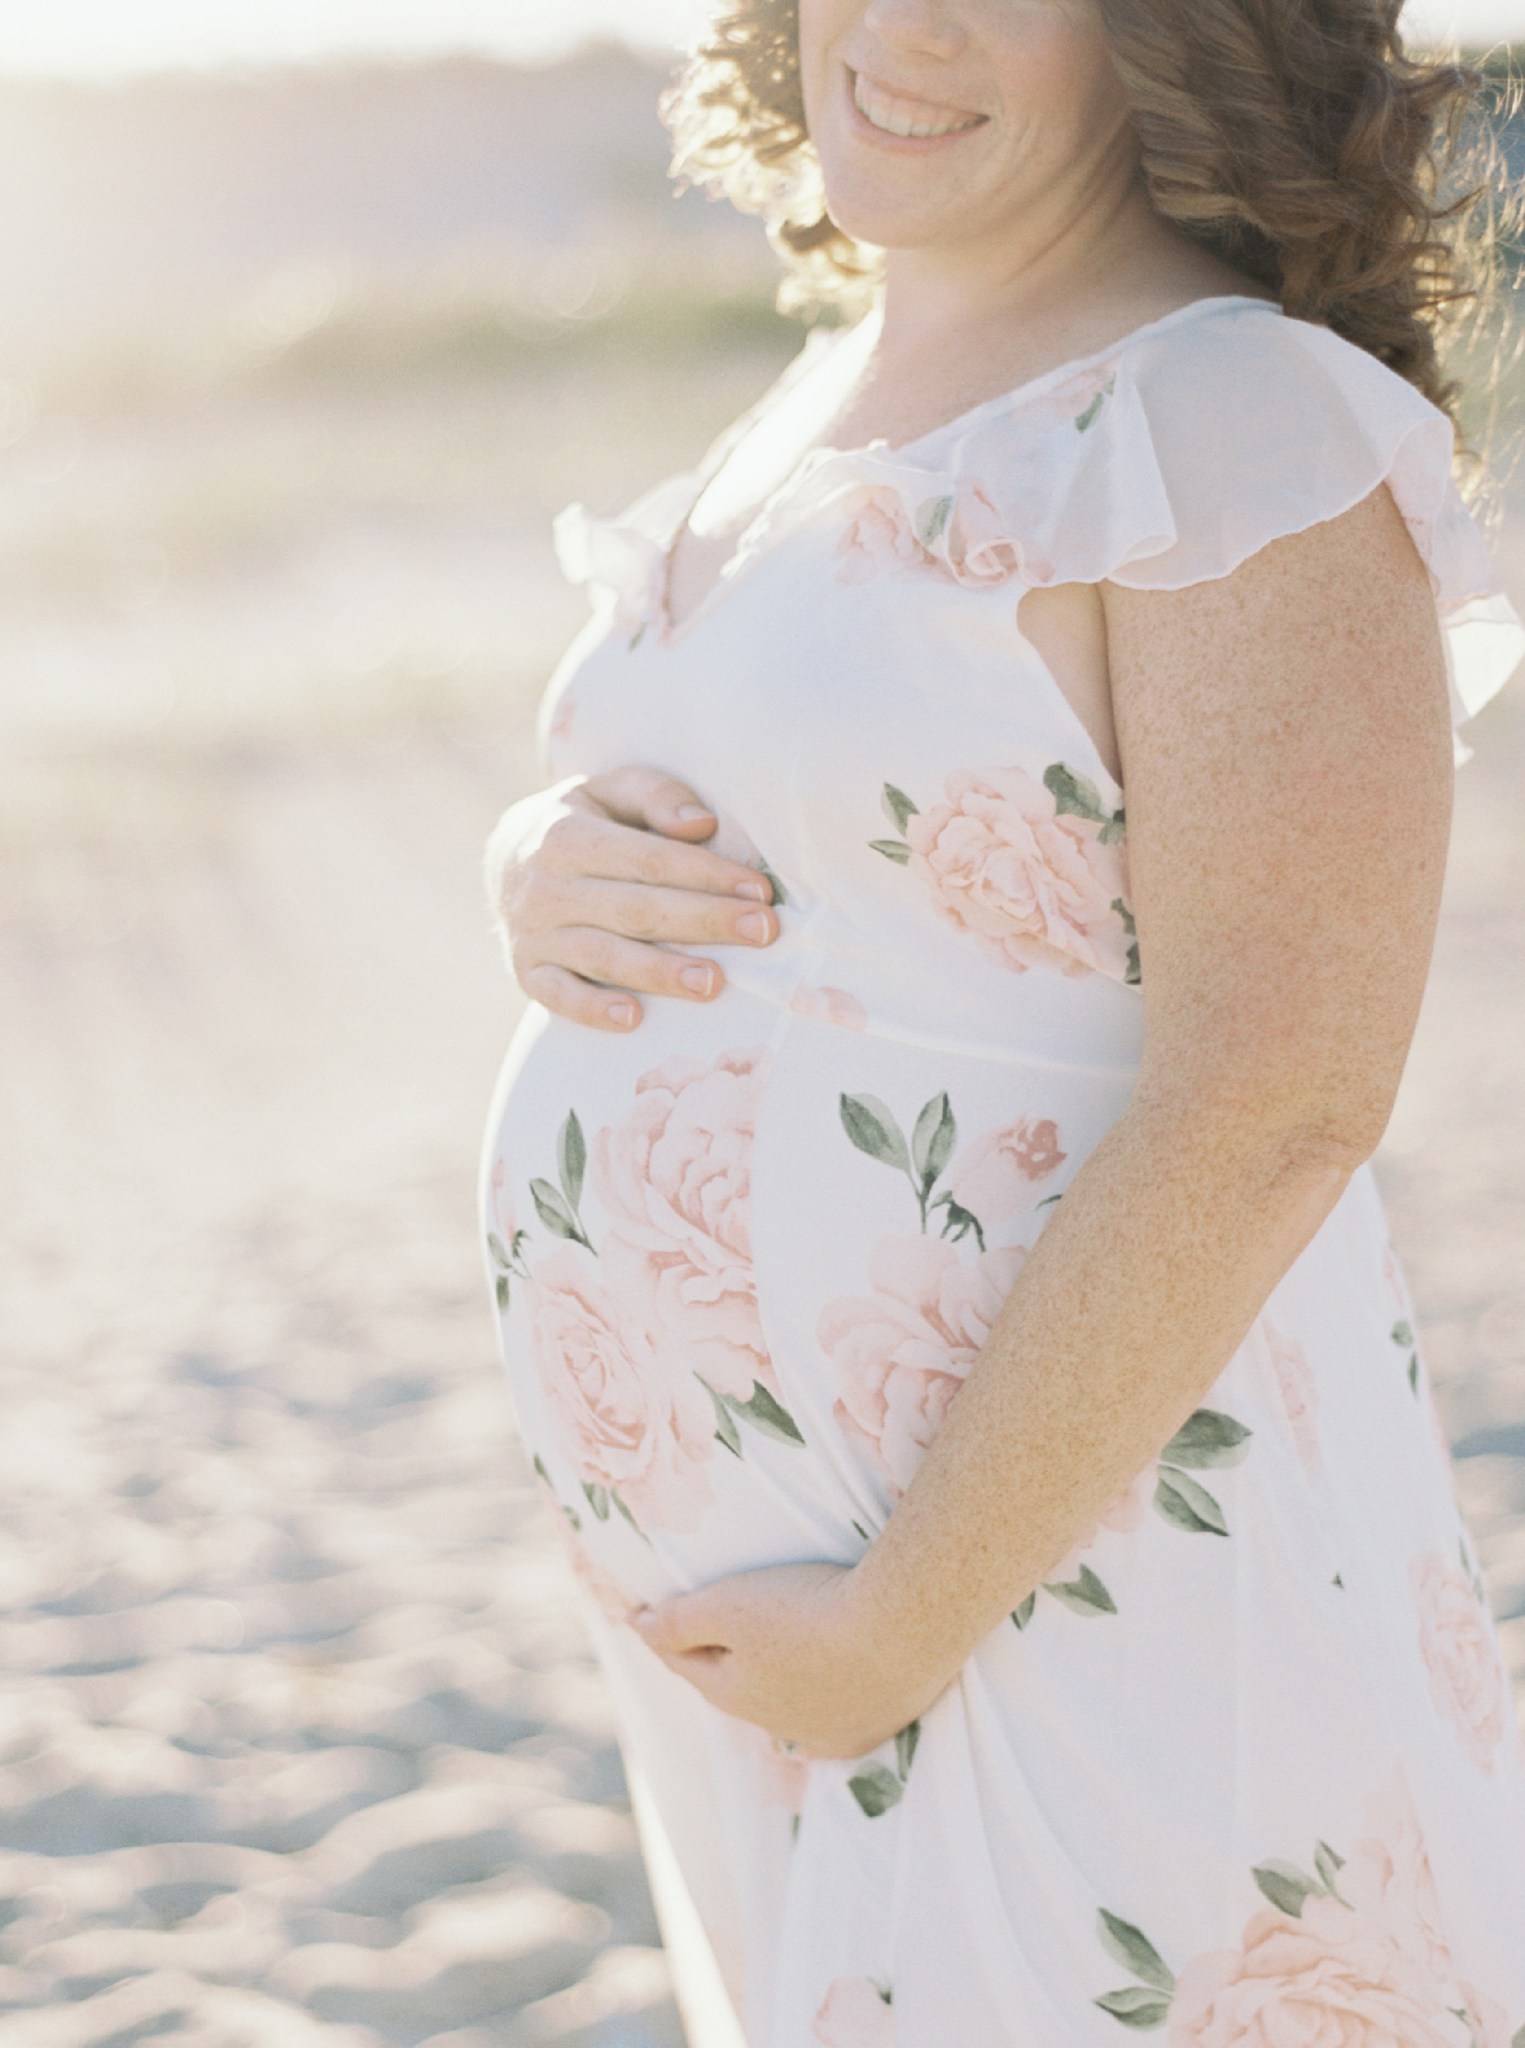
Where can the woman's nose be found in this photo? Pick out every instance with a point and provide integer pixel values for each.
(923, 27)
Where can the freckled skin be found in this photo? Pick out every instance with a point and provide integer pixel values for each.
(1284, 737)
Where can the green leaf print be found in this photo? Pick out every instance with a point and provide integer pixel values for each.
(876, 1789)
(1126, 1945)
(780, 893)
(554, 1213)
(1207, 1438)
(630, 1518)
(1287, 1887)
(1023, 1615)
(898, 807)
(1146, 2004)
(768, 1415)
(1134, 975)
(905, 1747)
(726, 1431)
(760, 1409)
(1074, 795)
(959, 1221)
(1403, 1337)
(571, 1159)
(1083, 1595)
(1136, 2007)
(1519, 2039)
(933, 1139)
(932, 520)
(1084, 421)
(892, 849)
(1328, 1865)
(873, 1129)
(501, 1290)
(598, 1499)
(1189, 1506)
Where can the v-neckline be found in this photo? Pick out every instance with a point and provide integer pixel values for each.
(670, 632)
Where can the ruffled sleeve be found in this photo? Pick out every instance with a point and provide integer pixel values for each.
(1202, 440)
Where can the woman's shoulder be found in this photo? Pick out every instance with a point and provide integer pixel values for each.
(1200, 438)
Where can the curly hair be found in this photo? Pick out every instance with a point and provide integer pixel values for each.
(1298, 140)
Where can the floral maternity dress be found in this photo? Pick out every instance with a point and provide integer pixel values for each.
(1245, 1769)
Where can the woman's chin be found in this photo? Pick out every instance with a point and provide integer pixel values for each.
(878, 221)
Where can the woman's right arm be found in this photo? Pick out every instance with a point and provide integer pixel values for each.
(593, 880)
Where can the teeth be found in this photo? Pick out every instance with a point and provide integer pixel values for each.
(905, 117)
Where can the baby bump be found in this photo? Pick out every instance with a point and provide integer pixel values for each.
(742, 1263)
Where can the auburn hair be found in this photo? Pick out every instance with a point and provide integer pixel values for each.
(1298, 140)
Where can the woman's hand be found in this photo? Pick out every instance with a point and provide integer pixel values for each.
(795, 1649)
(594, 879)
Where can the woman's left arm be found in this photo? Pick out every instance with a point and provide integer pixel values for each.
(1286, 740)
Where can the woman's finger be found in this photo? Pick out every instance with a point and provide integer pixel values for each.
(650, 798)
(581, 1002)
(646, 910)
(586, 842)
(629, 964)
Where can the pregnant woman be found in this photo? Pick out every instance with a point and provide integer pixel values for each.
(974, 928)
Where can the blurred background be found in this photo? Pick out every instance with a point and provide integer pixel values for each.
(313, 314)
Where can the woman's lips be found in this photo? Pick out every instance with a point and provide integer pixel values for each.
(894, 119)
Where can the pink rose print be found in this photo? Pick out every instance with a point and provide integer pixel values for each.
(1031, 885)
(1328, 1976)
(676, 1179)
(1299, 1392)
(1388, 1879)
(1467, 1679)
(1353, 1957)
(632, 1422)
(855, 2014)
(878, 536)
(901, 1354)
(830, 1005)
(980, 545)
(993, 1178)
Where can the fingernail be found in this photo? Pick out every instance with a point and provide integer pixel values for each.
(699, 979)
(622, 1014)
(753, 926)
(758, 891)
(688, 812)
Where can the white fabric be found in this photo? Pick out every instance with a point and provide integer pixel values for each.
(1246, 1768)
